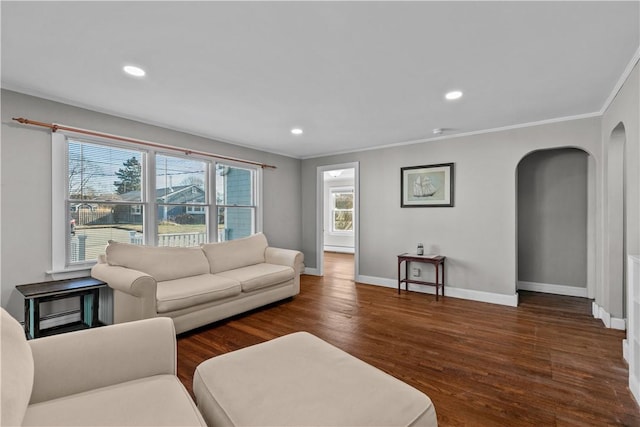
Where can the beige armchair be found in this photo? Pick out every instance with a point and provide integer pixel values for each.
(115, 375)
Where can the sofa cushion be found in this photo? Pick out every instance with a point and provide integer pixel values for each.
(161, 263)
(189, 291)
(16, 372)
(233, 254)
(260, 276)
(160, 400)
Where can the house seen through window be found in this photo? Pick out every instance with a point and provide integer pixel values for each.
(97, 177)
(181, 190)
(191, 200)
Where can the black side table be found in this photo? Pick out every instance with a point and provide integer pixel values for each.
(87, 288)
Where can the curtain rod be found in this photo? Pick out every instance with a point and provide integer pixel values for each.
(56, 127)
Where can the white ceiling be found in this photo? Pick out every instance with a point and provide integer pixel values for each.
(353, 75)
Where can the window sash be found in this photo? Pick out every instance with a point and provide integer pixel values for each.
(336, 192)
(88, 230)
(334, 221)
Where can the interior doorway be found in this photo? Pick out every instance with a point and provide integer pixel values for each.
(338, 214)
(616, 191)
(555, 213)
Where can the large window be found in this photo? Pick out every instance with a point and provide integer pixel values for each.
(181, 197)
(236, 201)
(111, 191)
(103, 198)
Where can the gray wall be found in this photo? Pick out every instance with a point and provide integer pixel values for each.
(478, 235)
(624, 109)
(26, 184)
(552, 217)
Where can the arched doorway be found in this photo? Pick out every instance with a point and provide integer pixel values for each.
(616, 244)
(554, 221)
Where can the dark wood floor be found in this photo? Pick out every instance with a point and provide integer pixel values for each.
(544, 363)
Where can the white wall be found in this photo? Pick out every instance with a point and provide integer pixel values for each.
(26, 184)
(478, 234)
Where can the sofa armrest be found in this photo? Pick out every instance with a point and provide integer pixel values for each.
(288, 257)
(126, 280)
(134, 296)
(85, 360)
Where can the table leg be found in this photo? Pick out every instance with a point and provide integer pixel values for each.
(399, 264)
(27, 317)
(437, 286)
(406, 275)
(94, 308)
(443, 278)
(83, 314)
(36, 317)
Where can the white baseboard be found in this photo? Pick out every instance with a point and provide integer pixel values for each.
(625, 350)
(490, 297)
(380, 281)
(469, 294)
(340, 249)
(610, 322)
(635, 388)
(311, 271)
(548, 288)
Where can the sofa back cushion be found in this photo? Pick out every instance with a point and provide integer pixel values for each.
(161, 263)
(238, 253)
(16, 373)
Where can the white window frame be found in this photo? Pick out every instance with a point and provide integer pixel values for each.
(339, 190)
(153, 203)
(256, 195)
(59, 214)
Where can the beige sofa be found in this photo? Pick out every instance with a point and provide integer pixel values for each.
(197, 286)
(112, 376)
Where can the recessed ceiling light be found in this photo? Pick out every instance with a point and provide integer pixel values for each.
(438, 131)
(296, 131)
(134, 71)
(454, 94)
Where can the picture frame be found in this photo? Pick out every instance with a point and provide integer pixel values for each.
(427, 186)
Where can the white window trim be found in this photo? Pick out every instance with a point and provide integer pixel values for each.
(59, 214)
(58, 206)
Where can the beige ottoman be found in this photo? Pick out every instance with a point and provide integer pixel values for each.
(301, 380)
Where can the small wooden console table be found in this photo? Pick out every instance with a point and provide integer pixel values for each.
(435, 260)
(87, 288)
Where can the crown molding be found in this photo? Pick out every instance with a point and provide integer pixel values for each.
(621, 81)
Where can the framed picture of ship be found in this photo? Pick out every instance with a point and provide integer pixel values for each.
(426, 186)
